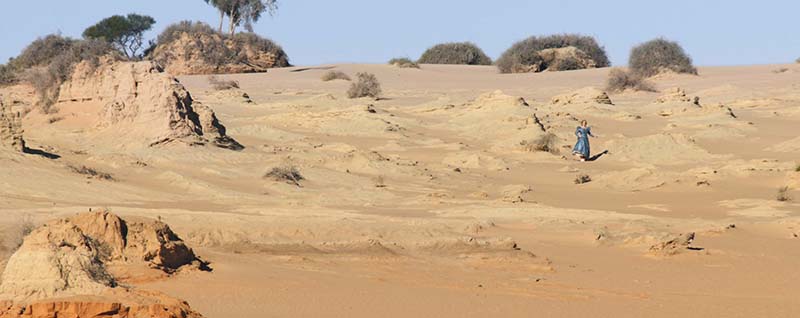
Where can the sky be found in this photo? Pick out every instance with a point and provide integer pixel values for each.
(713, 32)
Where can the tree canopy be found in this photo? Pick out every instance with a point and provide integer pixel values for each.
(243, 12)
(124, 32)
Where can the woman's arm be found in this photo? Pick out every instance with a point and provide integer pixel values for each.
(589, 132)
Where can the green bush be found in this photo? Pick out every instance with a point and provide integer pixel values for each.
(126, 33)
(523, 54)
(464, 53)
(367, 85)
(620, 80)
(403, 62)
(655, 56)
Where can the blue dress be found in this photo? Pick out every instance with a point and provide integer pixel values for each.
(582, 146)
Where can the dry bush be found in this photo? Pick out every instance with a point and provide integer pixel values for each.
(659, 55)
(221, 85)
(525, 53)
(288, 174)
(245, 41)
(546, 143)
(8, 75)
(334, 75)
(91, 173)
(463, 53)
(780, 70)
(582, 178)
(380, 182)
(797, 169)
(797, 60)
(366, 85)
(783, 194)
(403, 62)
(620, 80)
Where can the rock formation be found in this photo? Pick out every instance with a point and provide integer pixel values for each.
(211, 53)
(587, 95)
(71, 257)
(10, 129)
(139, 103)
(565, 58)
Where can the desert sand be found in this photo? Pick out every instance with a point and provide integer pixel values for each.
(427, 203)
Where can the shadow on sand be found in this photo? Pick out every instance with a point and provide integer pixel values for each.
(39, 152)
(597, 156)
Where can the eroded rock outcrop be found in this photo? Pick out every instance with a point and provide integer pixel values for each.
(211, 53)
(69, 259)
(565, 58)
(587, 95)
(139, 104)
(11, 129)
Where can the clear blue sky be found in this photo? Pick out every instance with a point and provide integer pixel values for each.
(714, 32)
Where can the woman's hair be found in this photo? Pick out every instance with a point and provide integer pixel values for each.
(584, 122)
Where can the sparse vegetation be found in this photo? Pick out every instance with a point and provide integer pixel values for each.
(91, 173)
(126, 33)
(464, 53)
(546, 143)
(523, 54)
(15, 235)
(403, 62)
(7, 75)
(582, 178)
(783, 194)
(335, 75)
(366, 85)
(659, 55)
(797, 169)
(380, 182)
(780, 70)
(620, 80)
(221, 85)
(288, 174)
(48, 62)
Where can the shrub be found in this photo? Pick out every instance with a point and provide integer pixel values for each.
(403, 62)
(42, 51)
(221, 85)
(334, 75)
(783, 194)
(653, 57)
(797, 60)
(288, 174)
(547, 143)
(797, 169)
(261, 44)
(525, 53)
(367, 85)
(620, 80)
(583, 178)
(465, 53)
(8, 75)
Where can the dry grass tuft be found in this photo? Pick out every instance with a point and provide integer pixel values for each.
(221, 85)
(546, 143)
(335, 75)
(583, 178)
(288, 174)
(620, 80)
(783, 194)
(403, 62)
(91, 173)
(367, 85)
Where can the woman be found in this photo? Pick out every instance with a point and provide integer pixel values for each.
(582, 146)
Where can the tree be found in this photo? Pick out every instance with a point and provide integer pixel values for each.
(126, 33)
(243, 12)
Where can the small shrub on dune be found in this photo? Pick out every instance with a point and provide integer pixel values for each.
(221, 85)
(783, 194)
(520, 56)
(288, 174)
(462, 53)
(659, 55)
(366, 85)
(403, 62)
(582, 178)
(546, 143)
(335, 75)
(620, 80)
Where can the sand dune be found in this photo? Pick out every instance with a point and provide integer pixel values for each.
(426, 202)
